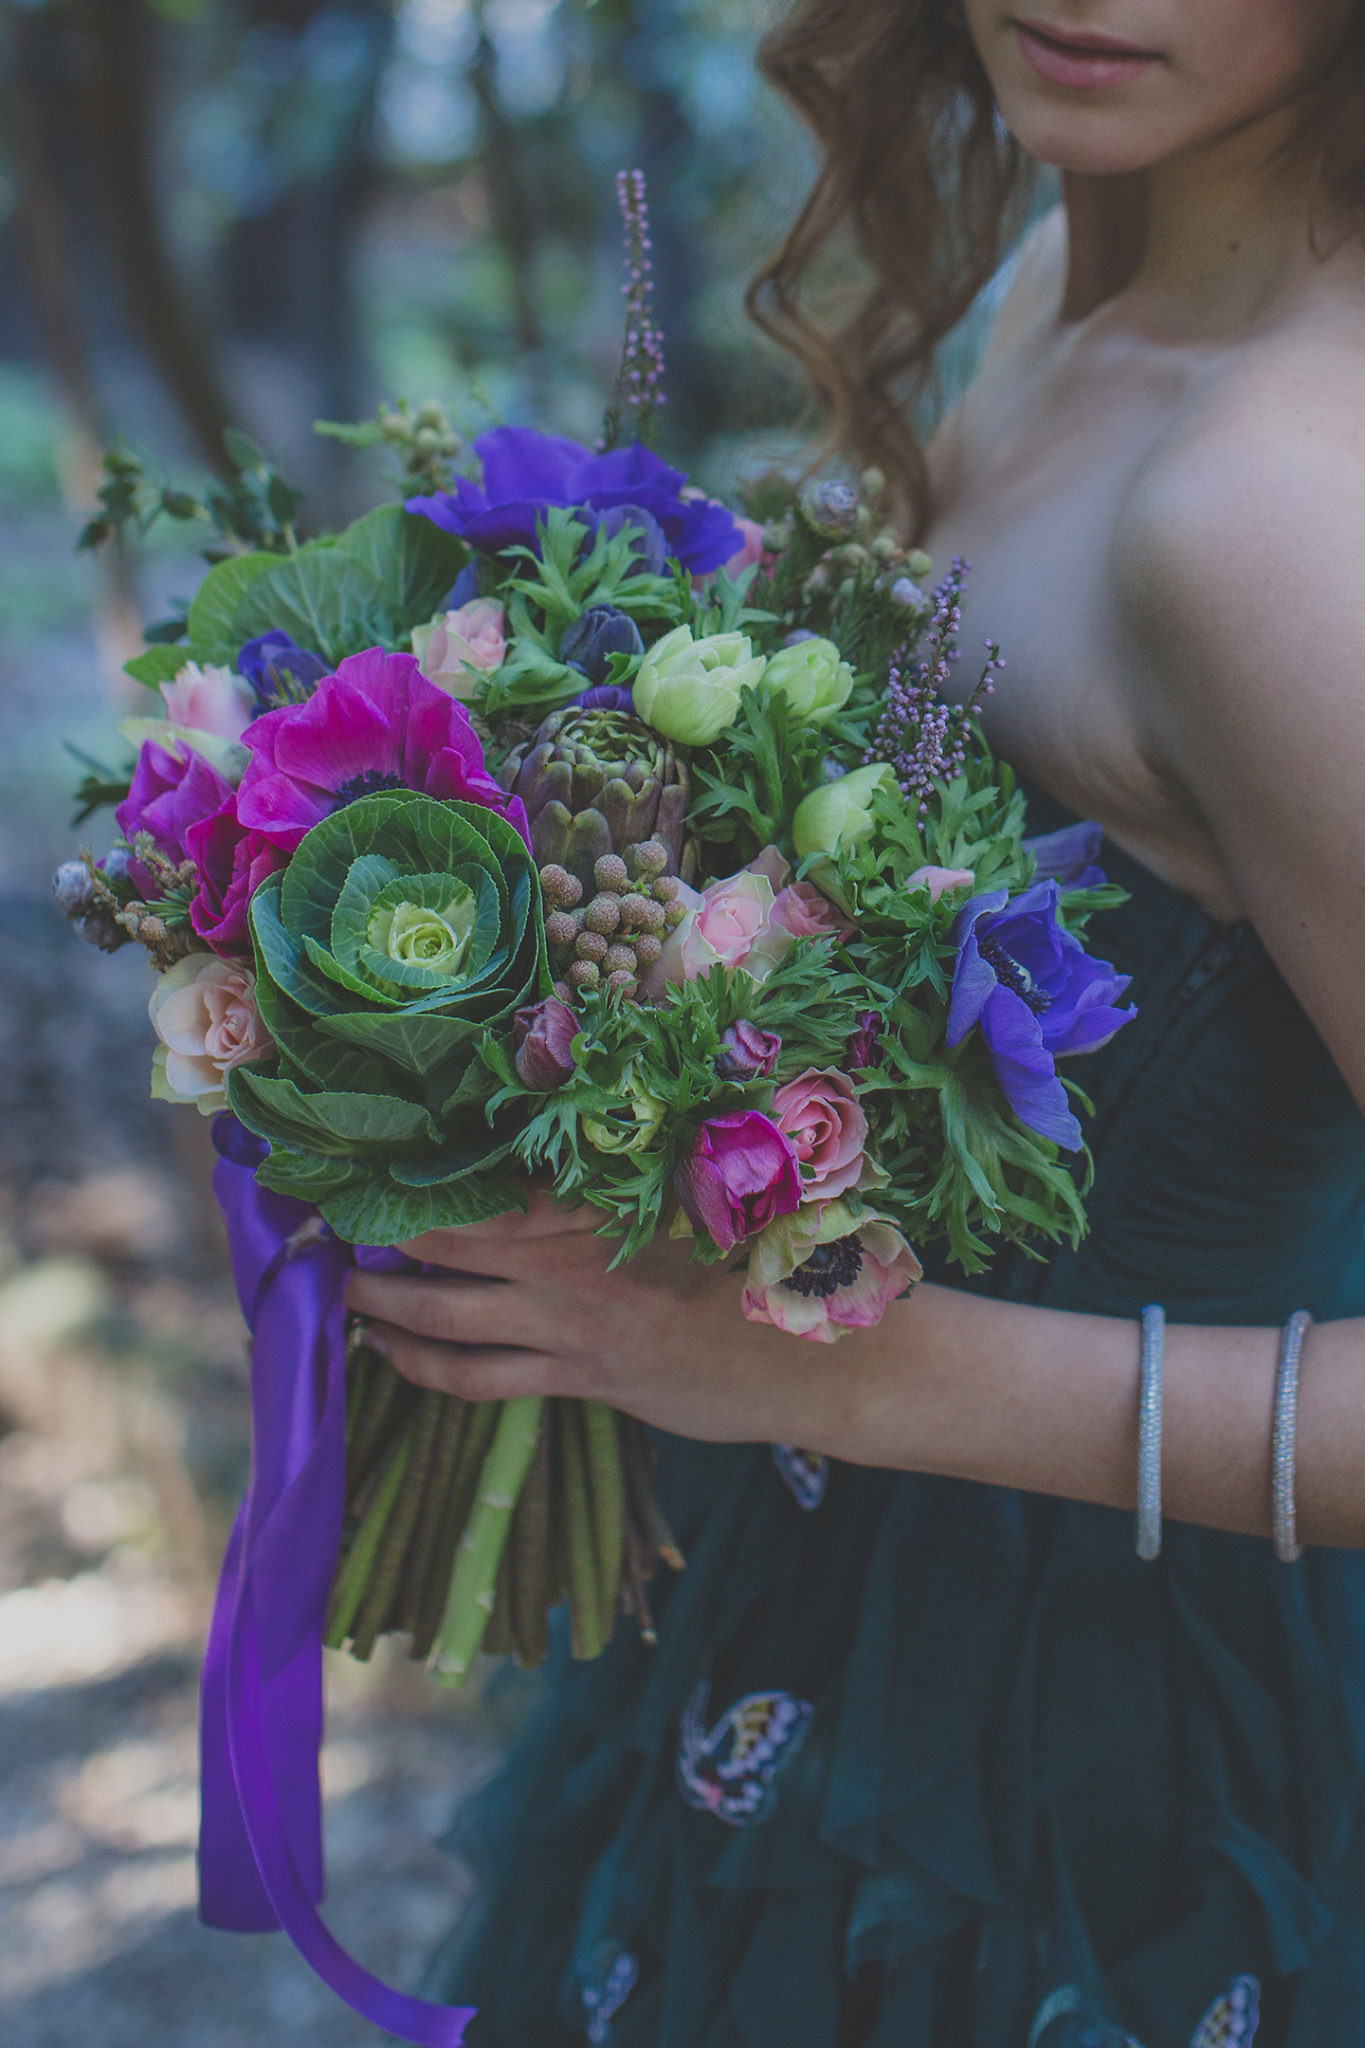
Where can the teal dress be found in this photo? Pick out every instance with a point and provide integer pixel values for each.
(926, 1764)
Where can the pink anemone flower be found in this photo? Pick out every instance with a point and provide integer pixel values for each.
(377, 724)
(826, 1270)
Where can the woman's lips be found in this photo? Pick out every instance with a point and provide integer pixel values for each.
(1067, 59)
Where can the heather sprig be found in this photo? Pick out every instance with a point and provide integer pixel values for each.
(639, 391)
(921, 736)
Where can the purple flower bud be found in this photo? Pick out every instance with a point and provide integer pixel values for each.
(542, 1038)
(746, 1053)
(740, 1174)
(593, 638)
(865, 1049)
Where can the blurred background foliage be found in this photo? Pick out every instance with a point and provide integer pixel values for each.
(272, 210)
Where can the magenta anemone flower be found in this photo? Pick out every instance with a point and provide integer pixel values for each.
(376, 724)
(740, 1173)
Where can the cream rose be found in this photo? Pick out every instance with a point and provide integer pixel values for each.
(204, 1012)
(472, 638)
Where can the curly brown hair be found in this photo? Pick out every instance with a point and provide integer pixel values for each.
(915, 161)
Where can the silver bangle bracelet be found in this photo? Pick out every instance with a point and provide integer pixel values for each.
(1283, 1439)
(1149, 1432)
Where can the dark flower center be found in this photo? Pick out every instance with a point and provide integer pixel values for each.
(1010, 974)
(829, 1267)
(368, 783)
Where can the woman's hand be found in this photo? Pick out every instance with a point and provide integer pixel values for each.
(527, 1306)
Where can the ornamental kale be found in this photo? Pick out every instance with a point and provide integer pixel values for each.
(402, 930)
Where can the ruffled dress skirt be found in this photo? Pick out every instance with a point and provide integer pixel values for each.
(922, 1764)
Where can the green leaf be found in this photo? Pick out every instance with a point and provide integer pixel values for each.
(412, 561)
(158, 665)
(327, 600)
(378, 1212)
(213, 611)
(335, 1125)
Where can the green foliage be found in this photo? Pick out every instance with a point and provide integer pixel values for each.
(751, 782)
(570, 569)
(253, 508)
(421, 436)
(377, 1110)
(664, 1056)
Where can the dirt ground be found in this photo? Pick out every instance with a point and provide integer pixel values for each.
(123, 1392)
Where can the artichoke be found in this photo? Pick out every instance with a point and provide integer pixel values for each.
(596, 782)
(402, 930)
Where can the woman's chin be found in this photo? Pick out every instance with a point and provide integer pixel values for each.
(1088, 142)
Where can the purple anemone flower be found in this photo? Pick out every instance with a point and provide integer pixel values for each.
(278, 669)
(1069, 856)
(170, 792)
(525, 472)
(376, 724)
(1037, 995)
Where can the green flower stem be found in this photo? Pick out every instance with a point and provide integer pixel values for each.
(529, 1551)
(446, 1450)
(476, 1435)
(348, 1589)
(474, 1579)
(608, 1508)
(388, 1401)
(497, 1638)
(584, 1597)
(638, 1460)
(359, 1363)
(375, 1613)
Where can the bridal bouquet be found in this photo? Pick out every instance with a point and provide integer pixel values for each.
(558, 821)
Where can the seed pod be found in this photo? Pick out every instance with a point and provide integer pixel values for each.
(560, 929)
(622, 984)
(674, 913)
(648, 949)
(665, 890)
(603, 914)
(591, 946)
(611, 872)
(620, 959)
(584, 974)
(652, 917)
(562, 890)
(634, 910)
(647, 860)
(563, 991)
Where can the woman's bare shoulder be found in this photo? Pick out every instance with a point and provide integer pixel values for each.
(1258, 477)
(1036, 276)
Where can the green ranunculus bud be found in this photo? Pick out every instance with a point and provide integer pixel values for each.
(813, 677)
(838, 816)
(688, 689)
(631, 1124)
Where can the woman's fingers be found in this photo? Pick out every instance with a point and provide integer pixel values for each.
(479, 1373)
(467, 1245)
(453, 1310)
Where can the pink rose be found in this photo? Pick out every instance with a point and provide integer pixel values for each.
(203, 1010)
(740, 1174)
(232, 864)
(728, 925)
(753, 549)
(474, 637)
(821, 1114)
(210, 699)
(938, 881)
(827, 1269)
(803, 911)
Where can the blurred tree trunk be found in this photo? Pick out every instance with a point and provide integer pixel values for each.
(510, 205)
(118, 52)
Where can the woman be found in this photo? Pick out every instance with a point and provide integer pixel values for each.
(1045, 1788)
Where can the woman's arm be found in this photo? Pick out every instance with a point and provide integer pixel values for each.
(950, 1383)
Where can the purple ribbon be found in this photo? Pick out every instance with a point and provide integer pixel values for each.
(260, 1839)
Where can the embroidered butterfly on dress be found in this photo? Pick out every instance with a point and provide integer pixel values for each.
(1230, 2022)
(730, 1772)
(609, 1976)
(804, 1473)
